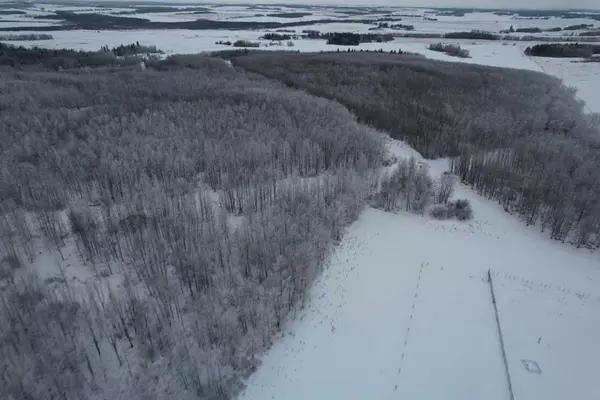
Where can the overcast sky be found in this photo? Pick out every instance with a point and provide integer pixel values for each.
(593, 4)
(454, 3)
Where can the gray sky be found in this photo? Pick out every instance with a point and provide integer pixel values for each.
(592, 4)
(546, 4)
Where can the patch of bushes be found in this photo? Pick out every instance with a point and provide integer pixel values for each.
(245, 43)
(453, 50)
(403, 27)
(408, 187)
(459, 209)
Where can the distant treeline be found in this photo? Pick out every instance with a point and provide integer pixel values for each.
(474, 34)
(110, 22)
(450, 49)
(164, 9)
(386, 25)
(12, 12)
(67, 58)
(354, 39)
(568, 50)
(25, 37)
(290, 15)
(131, 49)
(482, 35)
(276, 36)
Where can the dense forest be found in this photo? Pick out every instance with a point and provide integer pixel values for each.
(202, 199)
(519, 137)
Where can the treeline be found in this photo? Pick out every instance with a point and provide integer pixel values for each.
(131, 49)
(204, 200)
(386, 25)
(474, 34)
(26, 37)
(12, 12)
(245, 43)
(123, 55)
(450, 49)
(290, 15)
(165, 9)
(568, 50)
(354, 39)
(519, 137)
(19, 57)
(276, 36)
(492, 36)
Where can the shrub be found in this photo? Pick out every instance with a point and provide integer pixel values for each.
(461, 209)
(439, 212)
(444, 189)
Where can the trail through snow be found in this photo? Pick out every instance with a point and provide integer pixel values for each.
(404, 311)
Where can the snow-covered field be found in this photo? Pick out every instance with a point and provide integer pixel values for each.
(404, 311)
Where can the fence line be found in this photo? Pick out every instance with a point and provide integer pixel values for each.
(507, 373)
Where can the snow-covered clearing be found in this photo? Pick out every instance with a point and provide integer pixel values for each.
(404, 311)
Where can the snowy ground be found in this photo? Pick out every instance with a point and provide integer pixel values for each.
(404, 311)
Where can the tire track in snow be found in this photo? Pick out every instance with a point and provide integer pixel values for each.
(410, 318)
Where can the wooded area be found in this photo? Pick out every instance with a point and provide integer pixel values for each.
(519, 137)
(203, 199)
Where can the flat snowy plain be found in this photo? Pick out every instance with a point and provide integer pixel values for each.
(403, 310)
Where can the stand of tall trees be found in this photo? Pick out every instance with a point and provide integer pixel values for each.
(519, 137)
(211, 195)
